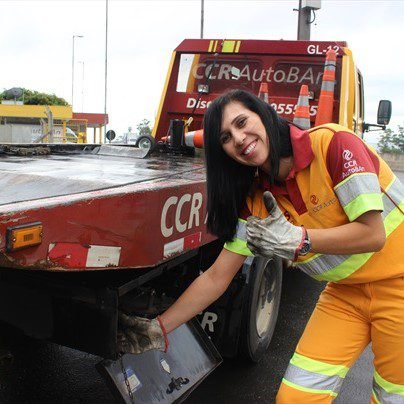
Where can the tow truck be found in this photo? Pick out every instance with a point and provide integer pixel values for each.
(125, 229)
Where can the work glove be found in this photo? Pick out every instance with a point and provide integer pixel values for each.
(274, 235)
(137, 335)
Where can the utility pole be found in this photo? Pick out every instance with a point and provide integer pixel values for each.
(106, 70)
(304, 19)
(202, 17)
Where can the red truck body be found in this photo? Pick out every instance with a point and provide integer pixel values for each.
(103, 212)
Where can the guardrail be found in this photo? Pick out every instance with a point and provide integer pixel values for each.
(394, 160)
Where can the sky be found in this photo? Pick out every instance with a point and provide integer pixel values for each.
(36, 45)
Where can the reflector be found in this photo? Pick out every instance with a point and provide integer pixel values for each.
(24, 236)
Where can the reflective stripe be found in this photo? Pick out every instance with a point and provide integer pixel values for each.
(375, 399)
(314, 376)
(337, 267)
(355, 185)
(241, 232)
(317, 366)
(189, 139)
(387, 392)
(304, 122)
(311, 380)
(392, 221)
(239, 243)
(358, 194)
(308, 390)
(396, 192)
(362, 204)
(327, 85)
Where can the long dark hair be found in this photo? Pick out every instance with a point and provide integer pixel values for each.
(228, 182)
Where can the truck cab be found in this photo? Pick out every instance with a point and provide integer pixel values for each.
(202, 69)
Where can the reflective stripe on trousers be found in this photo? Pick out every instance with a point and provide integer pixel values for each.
(385, 392)
(313, 376)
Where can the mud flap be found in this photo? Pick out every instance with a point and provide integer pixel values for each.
(160, 377)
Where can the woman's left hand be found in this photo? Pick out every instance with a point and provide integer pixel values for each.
(274, 235)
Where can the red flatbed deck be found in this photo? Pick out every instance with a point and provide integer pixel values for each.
(102, 211)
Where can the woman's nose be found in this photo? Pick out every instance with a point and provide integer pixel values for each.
(239, 138)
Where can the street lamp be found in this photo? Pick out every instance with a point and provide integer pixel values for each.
(74, 36)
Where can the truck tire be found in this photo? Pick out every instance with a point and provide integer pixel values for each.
(146, 142)
(261, 307)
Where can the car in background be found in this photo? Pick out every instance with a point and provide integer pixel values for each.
(134, 138)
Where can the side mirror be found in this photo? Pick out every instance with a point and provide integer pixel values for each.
(384, 112)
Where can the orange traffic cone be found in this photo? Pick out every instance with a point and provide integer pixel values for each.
(326, 100)
(194, 139)
(302, 113)
(263, 92)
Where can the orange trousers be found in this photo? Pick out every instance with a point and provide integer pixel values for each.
(344, 321)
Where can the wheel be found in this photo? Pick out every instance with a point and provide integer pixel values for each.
(6, 358)
(261, 307)
(145, 142)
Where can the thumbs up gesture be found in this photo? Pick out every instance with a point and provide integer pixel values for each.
(274, 235)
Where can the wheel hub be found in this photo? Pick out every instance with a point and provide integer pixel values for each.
(265, 302)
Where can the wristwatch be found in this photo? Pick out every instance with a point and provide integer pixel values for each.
(306, 247)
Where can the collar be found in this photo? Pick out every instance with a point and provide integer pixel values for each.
(302, 157)
(302, 151)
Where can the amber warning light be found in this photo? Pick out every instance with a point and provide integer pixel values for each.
(24, 236)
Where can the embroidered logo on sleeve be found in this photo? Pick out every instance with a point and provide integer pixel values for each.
(350, 164)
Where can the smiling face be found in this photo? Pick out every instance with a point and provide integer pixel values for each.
(243, 136)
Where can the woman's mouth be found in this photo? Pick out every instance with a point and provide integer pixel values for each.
(249, 148)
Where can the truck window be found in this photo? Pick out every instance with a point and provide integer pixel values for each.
(283, 75)
(224, 73)
(184, 71)
(286, 78)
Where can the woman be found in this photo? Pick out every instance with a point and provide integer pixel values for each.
(339, 217)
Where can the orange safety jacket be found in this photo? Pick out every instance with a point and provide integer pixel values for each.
(335, 179)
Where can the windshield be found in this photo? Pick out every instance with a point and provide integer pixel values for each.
(284, 75)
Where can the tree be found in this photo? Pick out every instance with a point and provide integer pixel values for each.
(31, 97)
(143, 128)
(392, 142)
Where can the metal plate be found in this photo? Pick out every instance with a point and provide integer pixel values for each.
(191, 356)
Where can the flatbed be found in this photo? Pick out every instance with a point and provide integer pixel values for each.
(113, 203)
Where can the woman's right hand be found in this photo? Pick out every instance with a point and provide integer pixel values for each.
(137, 334)
(274, 235)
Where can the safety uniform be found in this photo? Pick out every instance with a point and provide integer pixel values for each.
(335, 179)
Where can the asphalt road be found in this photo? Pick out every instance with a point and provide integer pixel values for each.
(44, 372)
(47, 373)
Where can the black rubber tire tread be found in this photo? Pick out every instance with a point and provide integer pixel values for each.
(252, 347)
(152, 141)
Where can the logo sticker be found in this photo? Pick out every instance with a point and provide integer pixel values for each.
(347, 155)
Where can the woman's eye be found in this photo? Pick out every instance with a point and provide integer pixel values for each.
(224, 138)
(241, 122)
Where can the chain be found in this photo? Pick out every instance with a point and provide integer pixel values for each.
(125, 376)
